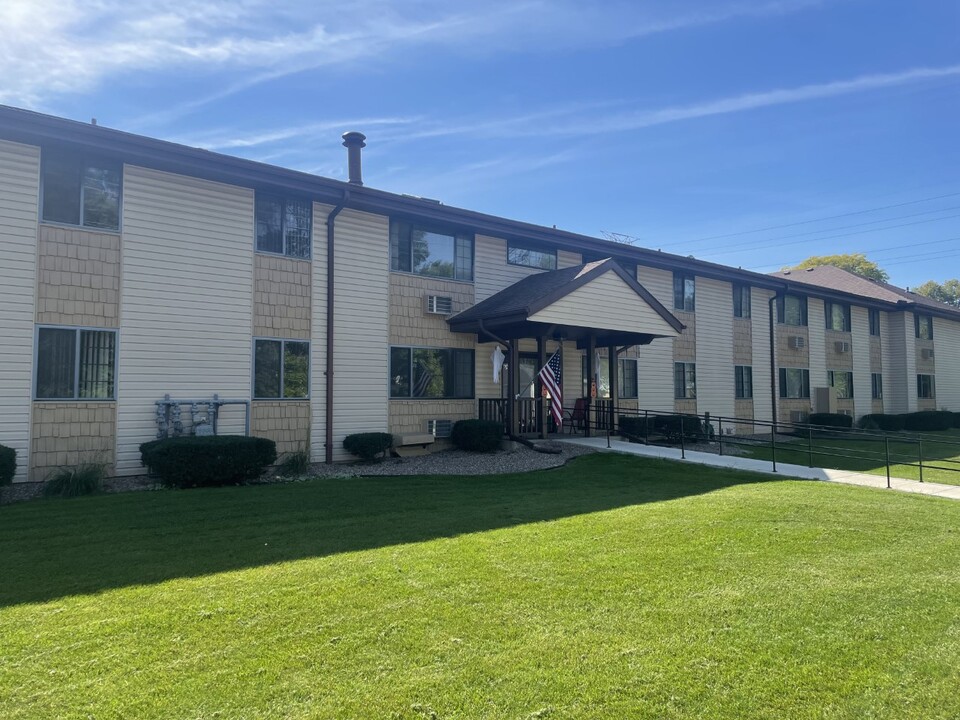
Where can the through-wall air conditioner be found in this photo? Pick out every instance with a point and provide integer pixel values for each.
(440, 428)
(841, 347)
(798, 416)
(926, 353)
(439, 305)
(797, 342)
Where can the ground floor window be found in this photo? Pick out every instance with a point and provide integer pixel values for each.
(842, 382)
(627, 378)
(794, 383)
(684, 380)
(876, 386)
(431, 373)
(743, 381)
(76, 364)
(281, 369)
(926, 387)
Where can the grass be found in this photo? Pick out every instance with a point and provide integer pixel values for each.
(617, 587)
(941, 460)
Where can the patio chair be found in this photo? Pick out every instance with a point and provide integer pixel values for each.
(577, 417)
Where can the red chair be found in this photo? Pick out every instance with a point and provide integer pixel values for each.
(578, 416)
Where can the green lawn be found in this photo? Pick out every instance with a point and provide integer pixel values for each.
(941, 460)
(617, 587)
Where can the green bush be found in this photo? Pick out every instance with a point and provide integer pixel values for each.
(635, 427)
(73, 482)
(879, 421)
(673, 427)
(831, 420)
(208, 460)
(477, 435)
(8, 465)
(295, 464)
(928, 420)
(368, 446)
(956, 423)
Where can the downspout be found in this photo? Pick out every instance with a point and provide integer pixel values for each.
(331, 219)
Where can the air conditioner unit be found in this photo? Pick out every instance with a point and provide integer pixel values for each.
(926, 353)
(798, 416)
(797, 342)
(842, 347)
(440, 428)
(439, 305)
(844, 412)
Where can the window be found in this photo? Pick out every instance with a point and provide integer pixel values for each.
(81, 191)
(926, 387)
(874, 322)
(838, 316)
(436, 253)
(741, 301)
(430, 373)
(601, 368)
(627, 378)
(794, 383)
(531, 257)
(684, 380)
(284, 225)
(281, 369)
(923, 326)
(684, 291)
(743, 381)
(792, 310)
(842, 382)
(76, 364)
(876, 386)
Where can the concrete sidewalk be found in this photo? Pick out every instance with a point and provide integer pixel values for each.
(765, 466)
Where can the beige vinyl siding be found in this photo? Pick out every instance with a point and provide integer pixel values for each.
(893, 352)
(318, 346)
(361, 326)
(946, 336)
(186, 300)
(492, 273)
(19, 194)
(715, 378)
(655, 361)
(760, 318)
(860, 347)
(484, 386)
(816, 322)
(606, 302)
(572, 372)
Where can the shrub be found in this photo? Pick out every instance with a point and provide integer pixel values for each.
(208, 460)
(72, 482)
(296, 463)
(956, 424)
(831, 420)
(367, 446)
(672, 427)
(477, 435)
(928, 420)
(879, 421)
(635, 427)
(8, 465)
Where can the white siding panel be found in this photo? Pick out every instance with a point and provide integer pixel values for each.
(860, 337)
(19, 193)
(186, 303)
(715, 377)
(605, 302)
(760, 322)
(893, 355)
(361, 326)
(492, 273)
(318, 347)
(946, 338)
(655, 361)
(816, 321)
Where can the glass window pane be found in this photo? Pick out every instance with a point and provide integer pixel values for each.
(433, 253)
(400, 247)
(97, 364)
(463, 374)
(464, 257)
(56, 363)
(61, 189)
(297, 228)
(399, 372)
(529, 257)
(266, 369)
(269, 220)
(101, 197)
(296, 369)
(430, 370)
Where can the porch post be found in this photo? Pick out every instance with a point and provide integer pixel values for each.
(514, 385)
(541, 361)
(511, 385)
(591, 377)
(613, 365)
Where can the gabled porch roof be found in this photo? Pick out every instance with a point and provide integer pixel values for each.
(599, 299)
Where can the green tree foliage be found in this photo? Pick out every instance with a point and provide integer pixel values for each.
(946, 292)
(856, 263)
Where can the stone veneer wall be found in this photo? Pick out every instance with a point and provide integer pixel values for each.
(281, 297)
(71, 434)
(286, 422)
(78, 279)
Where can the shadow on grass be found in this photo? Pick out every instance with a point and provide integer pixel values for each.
(56, 548)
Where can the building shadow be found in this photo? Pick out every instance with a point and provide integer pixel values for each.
(57, 548)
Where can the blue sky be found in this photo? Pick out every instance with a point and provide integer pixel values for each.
(752, 133)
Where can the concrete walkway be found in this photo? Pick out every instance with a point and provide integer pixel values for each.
(765, 466)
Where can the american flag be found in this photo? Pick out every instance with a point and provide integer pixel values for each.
(550, 377)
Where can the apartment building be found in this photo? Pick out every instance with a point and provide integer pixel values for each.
(135, 271)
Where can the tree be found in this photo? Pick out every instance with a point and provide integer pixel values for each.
(856, 263)
(946, 292)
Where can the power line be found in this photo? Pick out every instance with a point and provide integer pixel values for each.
(875, 251)
(890, 261)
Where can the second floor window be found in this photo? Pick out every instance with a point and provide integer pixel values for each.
(284, 225)
(875, 322)
(684, 292)
(430, 251)
(741, 301)
(923, 326)
(80, 190)
(838, 316)
(531, 257)
(792, 310)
